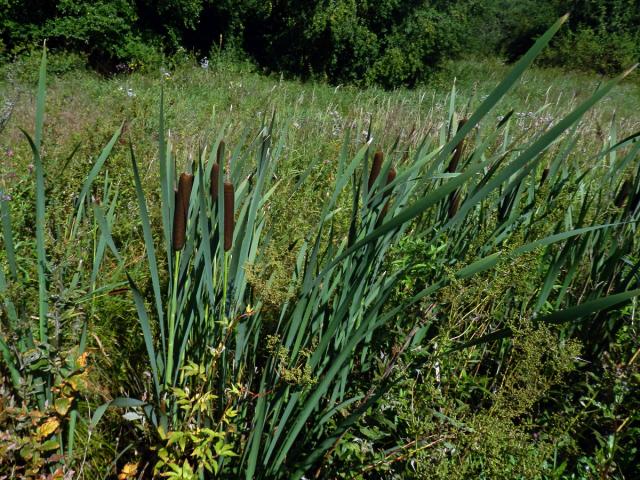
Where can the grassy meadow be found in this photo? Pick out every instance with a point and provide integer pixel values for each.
(468, 311)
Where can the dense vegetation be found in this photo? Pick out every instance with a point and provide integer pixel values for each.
(346, 283)
(389, 42)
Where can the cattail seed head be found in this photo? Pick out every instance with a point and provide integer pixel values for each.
(454, 204)
(215, 172)
(391, 176)
(181, 210)
(376, 166)
(229, 221)
(543, 178)
(220, 153)
(623, 193)
(453, 165)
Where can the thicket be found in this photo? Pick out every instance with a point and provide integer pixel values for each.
(389, 43)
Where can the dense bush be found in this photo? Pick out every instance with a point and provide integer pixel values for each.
(601, 36)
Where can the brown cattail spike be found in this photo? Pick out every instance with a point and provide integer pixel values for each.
(453, 165)
(376, 166)
(454, 203)
(623, 193)
(228, 216)
(391, 176)
(220, 154)
(543, 178)
(215, 172)
(181, 210)
(179, 225)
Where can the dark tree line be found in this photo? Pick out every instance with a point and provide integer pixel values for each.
(385, 42)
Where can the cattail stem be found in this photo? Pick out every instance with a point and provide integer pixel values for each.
(229, 221)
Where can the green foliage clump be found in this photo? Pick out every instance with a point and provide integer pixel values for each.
(389, 43)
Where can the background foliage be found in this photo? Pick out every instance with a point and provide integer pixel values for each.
(389, 43)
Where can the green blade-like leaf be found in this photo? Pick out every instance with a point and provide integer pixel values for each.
(97, 166)
(145, 324)
(151, 251)
(587, 308)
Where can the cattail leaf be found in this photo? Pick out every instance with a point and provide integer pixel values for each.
(16, 379)
(43, 306)
(255, 437)
(166, 183)
(102, 242)
(40, 99)
(145, 324)
(587, 308)
(488, 338)
(106, 231)
(93, 173)
(150, 248)
(7, 232)
(8, 304)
